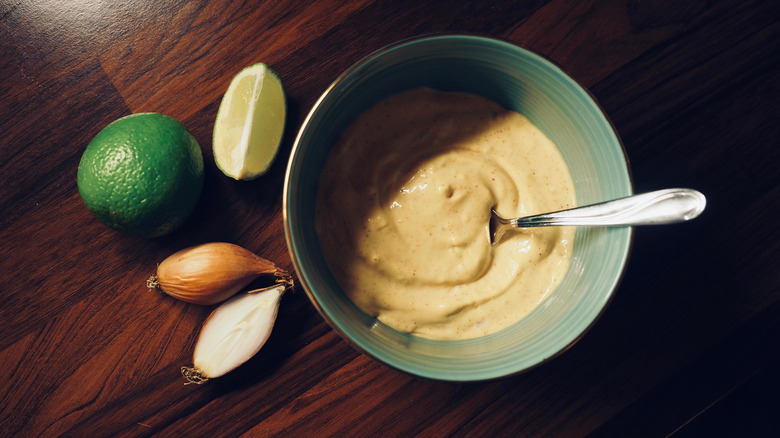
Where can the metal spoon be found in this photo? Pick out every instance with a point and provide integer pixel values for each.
(653, 208)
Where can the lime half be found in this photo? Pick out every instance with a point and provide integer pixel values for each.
(250, 123)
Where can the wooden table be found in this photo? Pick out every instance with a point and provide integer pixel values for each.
(690, 345)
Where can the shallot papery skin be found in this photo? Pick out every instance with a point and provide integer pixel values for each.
(211, 272)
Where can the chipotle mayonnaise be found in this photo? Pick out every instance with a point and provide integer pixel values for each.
(403, 207)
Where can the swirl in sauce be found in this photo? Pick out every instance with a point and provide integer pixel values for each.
(404, 203)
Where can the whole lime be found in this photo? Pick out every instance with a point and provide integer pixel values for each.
(142, 174)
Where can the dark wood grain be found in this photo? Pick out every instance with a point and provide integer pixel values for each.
(689, 346)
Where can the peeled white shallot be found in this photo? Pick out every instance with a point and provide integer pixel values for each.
(233, 333)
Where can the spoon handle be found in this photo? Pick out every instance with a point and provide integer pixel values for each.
(652, 208)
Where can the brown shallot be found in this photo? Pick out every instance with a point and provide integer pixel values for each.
(212, 272)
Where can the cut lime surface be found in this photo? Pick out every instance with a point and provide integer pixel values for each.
(250, 123)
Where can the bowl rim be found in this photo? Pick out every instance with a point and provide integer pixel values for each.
(312, 112)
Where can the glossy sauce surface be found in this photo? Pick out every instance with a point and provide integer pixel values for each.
(404, 203)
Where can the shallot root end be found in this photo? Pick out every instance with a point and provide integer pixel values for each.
(193, 375)
(283, 277)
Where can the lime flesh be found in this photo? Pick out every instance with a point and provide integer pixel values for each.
(250, 123)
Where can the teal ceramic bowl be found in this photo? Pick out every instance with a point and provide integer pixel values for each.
(519, 80)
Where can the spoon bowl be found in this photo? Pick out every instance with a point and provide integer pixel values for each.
(652, 208)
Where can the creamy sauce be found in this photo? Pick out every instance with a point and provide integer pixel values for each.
(403, 207)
